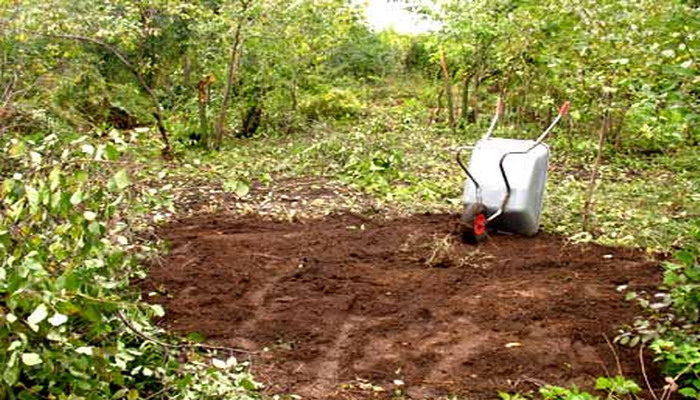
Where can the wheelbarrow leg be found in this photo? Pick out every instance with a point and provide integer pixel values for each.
(472, 225)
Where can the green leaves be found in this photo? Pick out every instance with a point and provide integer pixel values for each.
(67, 253)
(119, 181)
(76, 198)
(690, 392)
(37, 316)
(32, 197)
(617, 385)
(237, 186)
(559, 393)
(57, 319)
(10, 375)
(31, 359)
(577, 52)
(671, 322)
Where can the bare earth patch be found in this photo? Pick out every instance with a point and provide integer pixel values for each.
(350, 308)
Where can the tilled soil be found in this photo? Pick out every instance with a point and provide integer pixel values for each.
(347, 307)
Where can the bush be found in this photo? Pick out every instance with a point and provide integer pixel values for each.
(69, 326)
(678, 345)
(334, 103)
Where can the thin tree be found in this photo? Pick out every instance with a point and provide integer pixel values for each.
(231, 75)
(203, 97)
(602, 134)
(448, 91)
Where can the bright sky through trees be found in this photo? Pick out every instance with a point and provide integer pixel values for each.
(384, 14)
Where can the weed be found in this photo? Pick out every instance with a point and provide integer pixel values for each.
(440, 252)
(670, 325)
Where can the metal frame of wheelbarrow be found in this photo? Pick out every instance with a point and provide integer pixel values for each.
(474, 220)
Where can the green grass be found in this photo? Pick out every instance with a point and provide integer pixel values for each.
(394, 154)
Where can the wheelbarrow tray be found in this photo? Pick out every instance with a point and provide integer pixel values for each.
(526, 171)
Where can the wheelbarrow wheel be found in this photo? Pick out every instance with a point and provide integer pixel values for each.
(472, 226)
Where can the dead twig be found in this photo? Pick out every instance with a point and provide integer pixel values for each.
(7, 95)
(269, 256)
(588, 203)
(156, 394)
(644, 372)
(672, 386)
(617, 358)
(605, 368)
(534, 381)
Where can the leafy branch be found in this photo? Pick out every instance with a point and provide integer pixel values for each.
(158, 109)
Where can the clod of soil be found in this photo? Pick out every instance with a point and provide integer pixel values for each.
(347, 307)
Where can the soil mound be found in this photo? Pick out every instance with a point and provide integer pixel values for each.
(347, 307)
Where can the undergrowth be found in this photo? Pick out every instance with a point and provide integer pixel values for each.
(397, 154)
(71, 327)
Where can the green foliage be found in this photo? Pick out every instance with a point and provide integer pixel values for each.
(330, 98)
(670, 324)
(366, 55)
(635, 202)
(112, 51)
(560, 393)
(617, 386)
(374, 170)
(683, 279)
(632, 61)
(678, 343)
(333, 103)
(68, 251)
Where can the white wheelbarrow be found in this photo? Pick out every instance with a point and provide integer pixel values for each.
(505, 183)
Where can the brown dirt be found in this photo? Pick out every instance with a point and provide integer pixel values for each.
(341, 306)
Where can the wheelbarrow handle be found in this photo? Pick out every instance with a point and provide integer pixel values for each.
(563, 110)
(458, 156)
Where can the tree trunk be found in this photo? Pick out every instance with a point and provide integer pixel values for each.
(618, 128)
(570, 134)
(203, 124)
(251, 120)
(203, 96)
(474, 114)
(465, 98)
(602, 133)
(448, 92)
(295, 98)
(436, 111)
(187, 71)
(231, 76)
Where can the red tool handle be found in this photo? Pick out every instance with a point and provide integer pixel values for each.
(564, 109)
